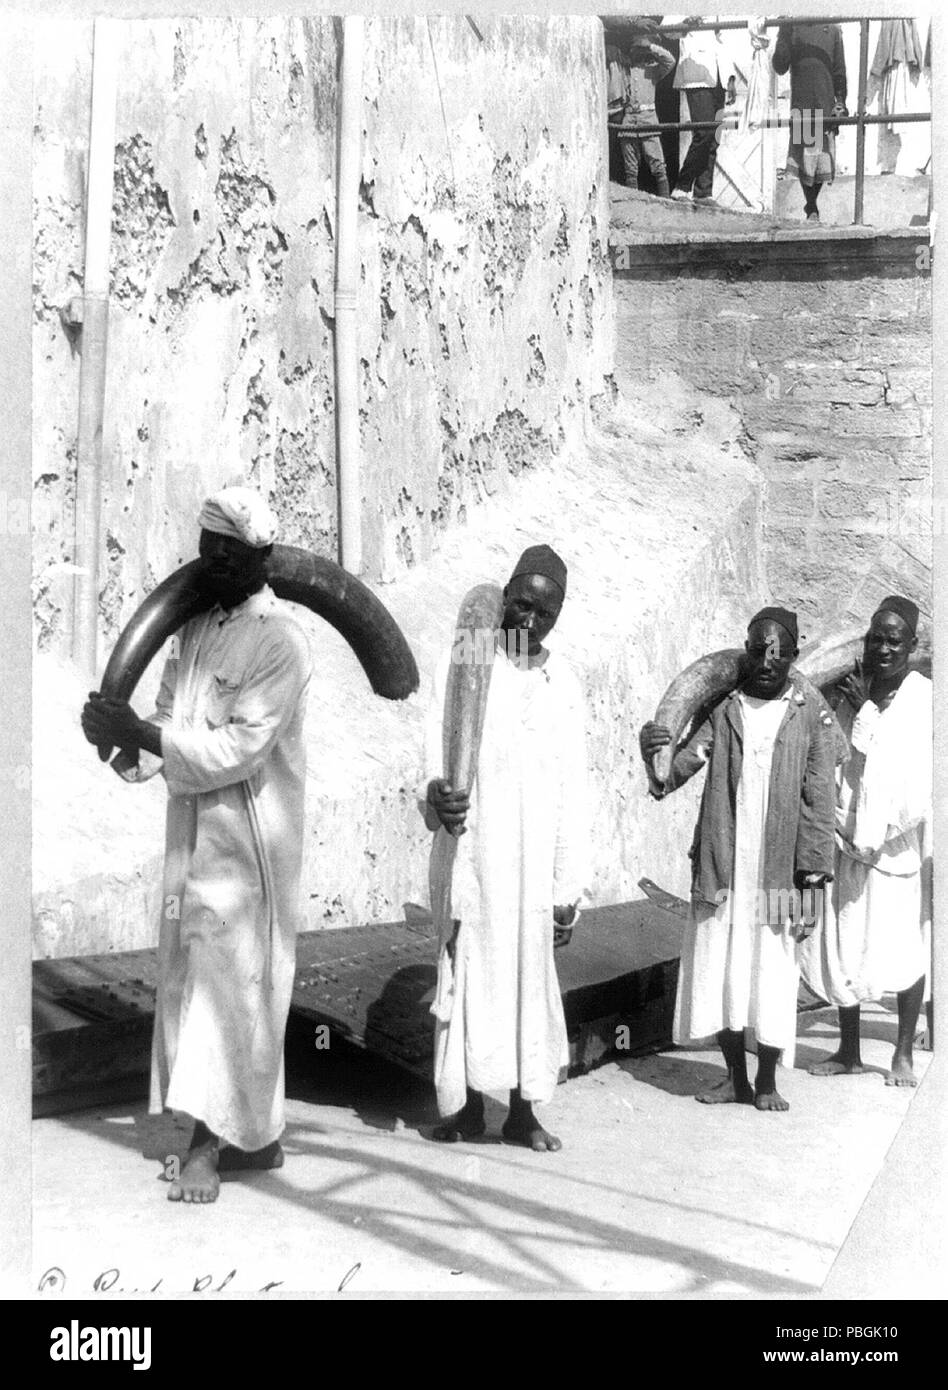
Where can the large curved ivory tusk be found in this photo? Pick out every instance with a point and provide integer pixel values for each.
(465, 703)
(699, 686)
(318, 584)
(702, 683)
(826, 662)
(465, 695)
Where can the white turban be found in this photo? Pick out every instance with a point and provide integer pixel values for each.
(240, 512)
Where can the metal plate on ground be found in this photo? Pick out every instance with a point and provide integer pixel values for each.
(374, 985)
(92, 1026)
(93, 1015)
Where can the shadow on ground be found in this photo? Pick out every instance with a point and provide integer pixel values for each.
(455, 1213)
(522, 1240)
(349, 1078)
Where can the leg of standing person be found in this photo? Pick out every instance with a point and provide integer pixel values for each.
(668, 108)
(655, 159)
(466, 1124)
(615, 144)
(630, 155)
(522, 1127)
(704, 179)
(766, 1095)
(810, 194)
(198, 1180)
(846, 1060)
(736, 1088)
(909, 1004)
(702, 106)
(698, 106)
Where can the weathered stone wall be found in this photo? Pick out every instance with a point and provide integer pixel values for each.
(824, 348)
(220, 352)
(484, 295)
(60, 139)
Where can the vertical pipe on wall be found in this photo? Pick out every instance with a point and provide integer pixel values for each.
(348, 173)
(95, 323)
(861, 127)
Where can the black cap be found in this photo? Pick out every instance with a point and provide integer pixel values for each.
(540, 559)
(903, 608)
(783, 616)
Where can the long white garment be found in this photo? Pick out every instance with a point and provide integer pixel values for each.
(736, 970)
(703, 59)
(759, 102)
(231, 710)
(525, 850)
(876, 938)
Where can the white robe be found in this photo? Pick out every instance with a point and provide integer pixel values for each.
(876, 938)
(525, 850)
(737, 971)
(231, 712)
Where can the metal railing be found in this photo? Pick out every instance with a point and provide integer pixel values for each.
(860, 120)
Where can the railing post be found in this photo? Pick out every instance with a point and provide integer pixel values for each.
(861, 126)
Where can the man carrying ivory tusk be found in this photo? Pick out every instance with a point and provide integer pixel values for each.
(520, 870)
(877, 936)
(763, 848)
(227, 735)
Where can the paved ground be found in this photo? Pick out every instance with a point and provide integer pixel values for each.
(652, 1193)
(889, 203)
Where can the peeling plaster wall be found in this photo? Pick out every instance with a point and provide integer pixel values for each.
(60, 139)
(484, 299)
(486, 333)
(486, 289)
(220, 347)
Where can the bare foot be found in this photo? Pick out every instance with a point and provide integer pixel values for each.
(770, 1100)
(726, 1093)
(531, 1134)
(233, 1160)
(198, 1182)
(466, 1124)
(838, 1065)
(901, 1073)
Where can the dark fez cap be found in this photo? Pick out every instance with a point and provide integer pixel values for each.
(903, 608)
(540, 559)
(783, 616)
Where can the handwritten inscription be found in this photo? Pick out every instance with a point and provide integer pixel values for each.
(54, 1281)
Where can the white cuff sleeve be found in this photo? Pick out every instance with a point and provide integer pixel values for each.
(864, 727)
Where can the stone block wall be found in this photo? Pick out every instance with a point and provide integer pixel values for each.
(823, 346)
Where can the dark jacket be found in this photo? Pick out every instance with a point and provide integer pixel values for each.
(814, 56)
(631, 85)
(801, 811)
